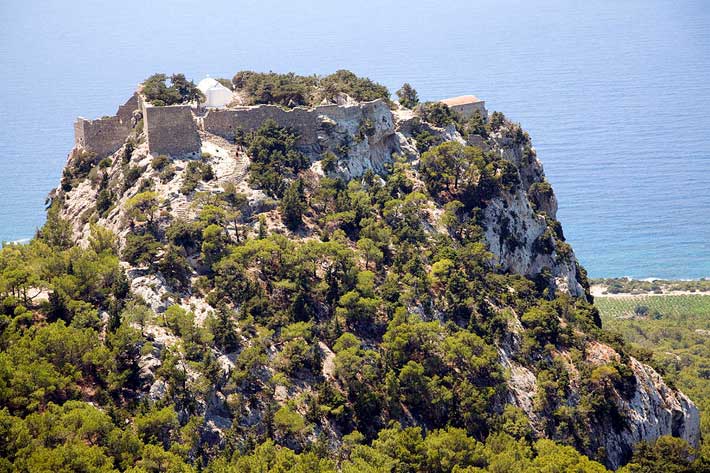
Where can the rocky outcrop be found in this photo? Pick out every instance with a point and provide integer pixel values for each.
(365, 132)
(519, 225)
(518, 238)
(652, 409)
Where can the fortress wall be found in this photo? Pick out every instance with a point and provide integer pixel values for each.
(220, 123)
(171, 130)
(224, 122)
(306, 121)
(103, 136)
(125, 111)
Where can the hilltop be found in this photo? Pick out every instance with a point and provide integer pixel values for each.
(315, 276)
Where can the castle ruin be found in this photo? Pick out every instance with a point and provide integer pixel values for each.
(104, 136)
(175, 129)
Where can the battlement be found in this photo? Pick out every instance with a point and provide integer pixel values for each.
(102, 136)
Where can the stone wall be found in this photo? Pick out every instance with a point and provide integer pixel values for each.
(171, 130)
(335, 128)
(125, 111)
(467, 109)
(102, 136)
(307, 122)
(220, 123)
(105, 135)
(224, 122)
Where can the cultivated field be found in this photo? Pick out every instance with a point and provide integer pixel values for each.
(680, 306)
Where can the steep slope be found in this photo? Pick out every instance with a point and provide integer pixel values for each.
(402, 269)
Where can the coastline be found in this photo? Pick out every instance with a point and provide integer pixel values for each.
(630, 288)
(600, 290)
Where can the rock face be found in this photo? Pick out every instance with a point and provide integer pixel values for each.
(517, 222)
(519, 226)
(516, 234)
(650, 411)
(653, 410)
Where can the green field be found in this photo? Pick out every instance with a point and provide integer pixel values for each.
(693, 306)
(677, 330)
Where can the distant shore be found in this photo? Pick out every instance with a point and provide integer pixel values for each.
(628, 288)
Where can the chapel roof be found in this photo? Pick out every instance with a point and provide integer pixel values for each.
(461, 100)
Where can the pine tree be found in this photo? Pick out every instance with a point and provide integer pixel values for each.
(293, 205)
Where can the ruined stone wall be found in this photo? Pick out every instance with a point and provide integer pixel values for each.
(105, 135)
(307, 122)
(171, 130)
(125, 111)
(220, 123)
(102, 136)
(225, 122)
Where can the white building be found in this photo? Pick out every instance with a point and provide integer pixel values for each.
(216, 95)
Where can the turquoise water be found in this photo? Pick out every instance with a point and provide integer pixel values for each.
(616, 95)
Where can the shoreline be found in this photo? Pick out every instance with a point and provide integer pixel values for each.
(600, 291)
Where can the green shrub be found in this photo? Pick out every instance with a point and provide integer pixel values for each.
(275, 158)
(159, 162)
(361, 89)
(195, 172)
(288, 90)
(131, 176)
(140, 249)
(408, 97)
(180, 90)
(293, 205)
(437, 113)
(104, 201)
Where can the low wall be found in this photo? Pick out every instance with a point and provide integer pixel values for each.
(171, 130)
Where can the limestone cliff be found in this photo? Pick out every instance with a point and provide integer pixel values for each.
(519, 226)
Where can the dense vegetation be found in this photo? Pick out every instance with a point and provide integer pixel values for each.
(157, 91)
(290, 90)
(351, 325)
(412, 367)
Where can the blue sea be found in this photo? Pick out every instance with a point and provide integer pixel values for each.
(616, 94)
